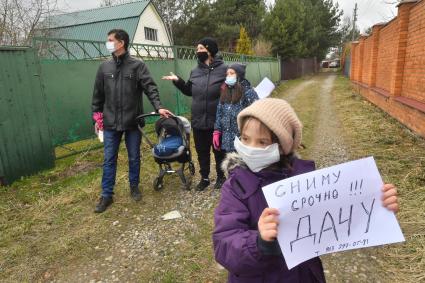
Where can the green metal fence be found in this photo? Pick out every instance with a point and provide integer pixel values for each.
(25, 135)
(70, 49)
(69, 68)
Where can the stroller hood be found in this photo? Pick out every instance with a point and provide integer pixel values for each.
(171, 125)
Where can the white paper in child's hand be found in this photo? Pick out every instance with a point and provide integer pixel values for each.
(331, 210)
(265, 88)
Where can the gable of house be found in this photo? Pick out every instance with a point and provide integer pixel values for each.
(94, 24)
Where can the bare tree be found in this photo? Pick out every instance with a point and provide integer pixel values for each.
(394, 2)
(19, 20)
(107, 3)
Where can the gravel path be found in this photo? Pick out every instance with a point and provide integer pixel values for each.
(298, 89)
(145, 243)
(329, 149)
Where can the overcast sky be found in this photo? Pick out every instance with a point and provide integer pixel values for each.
(369, 11)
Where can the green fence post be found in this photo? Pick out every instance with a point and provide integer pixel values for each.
(259, 70)
(279, 67)
(175, 58)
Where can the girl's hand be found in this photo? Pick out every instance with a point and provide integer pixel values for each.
(389, 197)
(267, 224)
(171, 77)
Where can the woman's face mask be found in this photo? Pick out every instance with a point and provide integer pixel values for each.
(257, 158)
(202, 56)
(231, 80)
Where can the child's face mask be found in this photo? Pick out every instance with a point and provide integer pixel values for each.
(230, 80)
(257, 158)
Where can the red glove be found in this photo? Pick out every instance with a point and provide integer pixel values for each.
(98, 117)
(216, 139)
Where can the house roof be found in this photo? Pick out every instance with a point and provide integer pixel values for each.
(96, 31)
(128, 10)
(94, 24)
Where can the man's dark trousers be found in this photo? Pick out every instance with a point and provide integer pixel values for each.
(112, 140)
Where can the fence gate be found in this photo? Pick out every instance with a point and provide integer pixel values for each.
(25, 139)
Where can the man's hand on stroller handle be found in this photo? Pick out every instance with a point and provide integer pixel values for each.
(165, 113)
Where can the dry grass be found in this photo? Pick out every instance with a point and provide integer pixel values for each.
(400, 155)
(42, 219)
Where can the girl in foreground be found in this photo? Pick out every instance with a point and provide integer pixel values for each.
(245, 228)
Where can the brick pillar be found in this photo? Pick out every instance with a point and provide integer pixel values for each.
(401, 43)
(354, 59)
(371, 80)
(360, 66)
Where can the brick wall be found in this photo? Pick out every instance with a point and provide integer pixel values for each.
(367, 54)
(386, 55)
(388, 66)
(414, 67)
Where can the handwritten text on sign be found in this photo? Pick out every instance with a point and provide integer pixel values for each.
(330, 210)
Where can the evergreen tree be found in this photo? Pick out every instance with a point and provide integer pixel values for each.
(303, 28)
(284, 27)
(196, 23)
(220, 19)
(249, 13)
(244, 45)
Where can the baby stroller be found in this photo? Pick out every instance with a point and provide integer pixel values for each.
(173, 146)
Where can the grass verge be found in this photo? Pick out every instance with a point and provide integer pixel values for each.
(400, 155)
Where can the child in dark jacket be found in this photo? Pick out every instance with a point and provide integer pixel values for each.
(245, 228)
(236, 94)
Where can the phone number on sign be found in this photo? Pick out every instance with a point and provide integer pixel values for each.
(344, 246)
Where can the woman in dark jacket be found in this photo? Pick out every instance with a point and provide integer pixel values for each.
(203, 86)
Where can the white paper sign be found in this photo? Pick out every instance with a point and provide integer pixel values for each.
(100, 135)
(265, 88)
(331, 210)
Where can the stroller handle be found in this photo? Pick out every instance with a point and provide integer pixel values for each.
(152, 114)
(142, 117)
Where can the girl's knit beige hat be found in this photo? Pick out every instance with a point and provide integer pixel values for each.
(279, 117)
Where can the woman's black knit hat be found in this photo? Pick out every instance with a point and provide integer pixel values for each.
(210, 44)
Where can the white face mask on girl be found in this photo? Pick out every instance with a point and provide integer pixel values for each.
(257, 158)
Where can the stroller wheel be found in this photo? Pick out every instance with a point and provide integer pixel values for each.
(157, 184)
(191, 168)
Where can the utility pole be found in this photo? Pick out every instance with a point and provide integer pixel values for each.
(354, 22)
